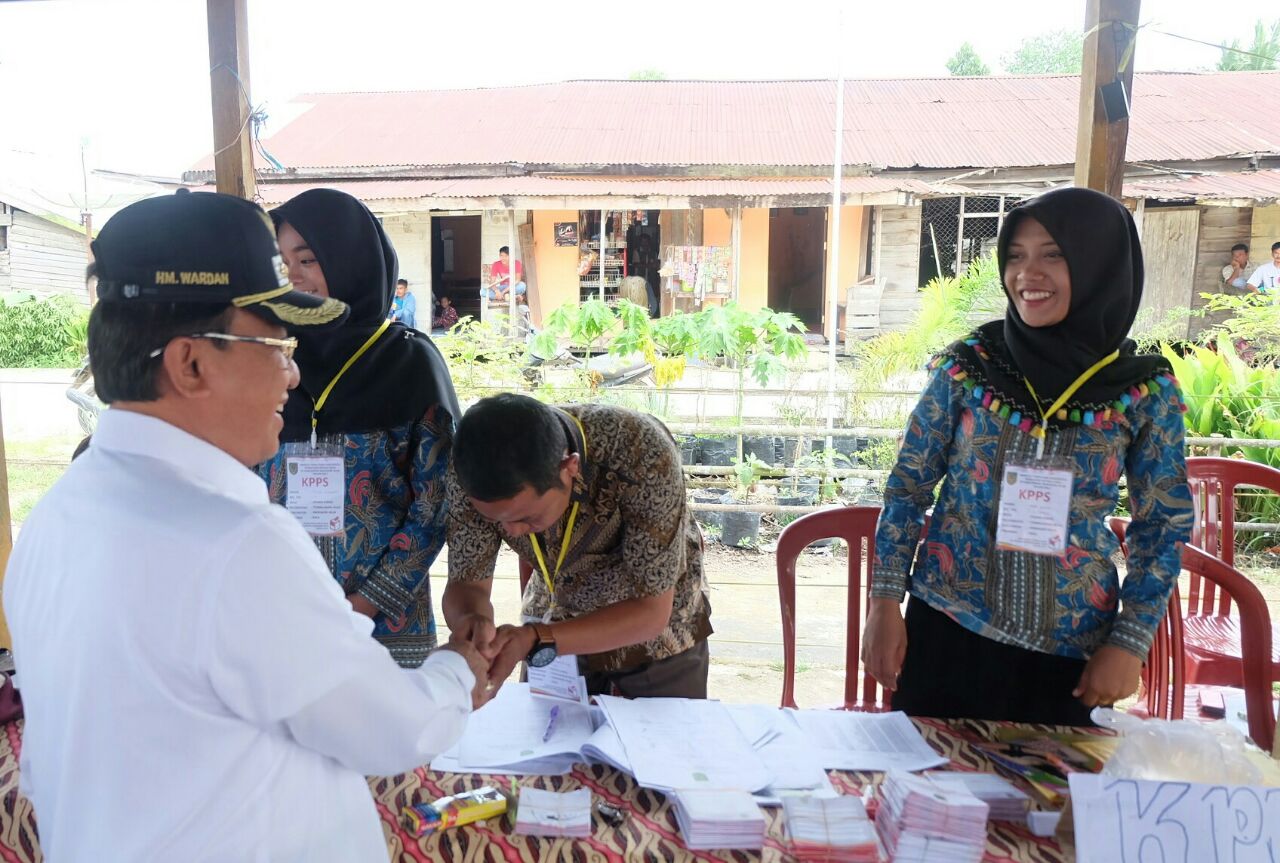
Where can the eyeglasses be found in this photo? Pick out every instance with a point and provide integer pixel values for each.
(286, 346)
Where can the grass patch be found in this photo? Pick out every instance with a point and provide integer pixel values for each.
(27, 484)
(801, 667)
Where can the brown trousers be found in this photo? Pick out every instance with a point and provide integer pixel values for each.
(681, 676)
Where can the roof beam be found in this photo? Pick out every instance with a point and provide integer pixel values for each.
(1111, 27)
(229, 82)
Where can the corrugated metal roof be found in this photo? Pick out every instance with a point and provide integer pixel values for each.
(631, 187)
(1258, 186)
(890, 123)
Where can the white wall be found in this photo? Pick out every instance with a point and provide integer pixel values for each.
(495, 232)
(410, 233)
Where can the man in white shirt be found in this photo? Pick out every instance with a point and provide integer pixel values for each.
(1266, 279)
(1233, 274)
(196, 686)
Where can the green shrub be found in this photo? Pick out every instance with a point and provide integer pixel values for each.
(950, 308)
(42, 333)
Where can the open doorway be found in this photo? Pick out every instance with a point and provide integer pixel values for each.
(797, 262)
(455, 261)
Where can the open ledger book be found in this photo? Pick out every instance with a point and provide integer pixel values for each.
(515, 734)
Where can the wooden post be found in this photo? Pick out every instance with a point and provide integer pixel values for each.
(229, 82)
(6, 532)
(1110, 30)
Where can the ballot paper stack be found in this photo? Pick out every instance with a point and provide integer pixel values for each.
(830, 830)
(548, 813)
(713, 819)
(923, 820)
(1006, 802)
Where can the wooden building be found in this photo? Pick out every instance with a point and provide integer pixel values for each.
(744, 167)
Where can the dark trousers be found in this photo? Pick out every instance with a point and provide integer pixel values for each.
(681, 676)
(952, 673)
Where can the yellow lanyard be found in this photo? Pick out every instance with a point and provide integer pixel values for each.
(1062, 399)
(318, 404)
(568, 531)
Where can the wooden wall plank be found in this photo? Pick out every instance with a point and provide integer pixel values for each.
(897, 260)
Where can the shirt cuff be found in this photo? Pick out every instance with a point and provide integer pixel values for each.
(1131, 636)
(389, 598)
(453, 663)
(889, 585)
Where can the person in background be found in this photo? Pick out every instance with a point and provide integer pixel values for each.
(592, 497)
(500, 273)
(448, 314)
(373, 416)
(1016, 611)
(404, 306)
(1235, 274)
(82, 447)
(195, 685)
(1266, 278)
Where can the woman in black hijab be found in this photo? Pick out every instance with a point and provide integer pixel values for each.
(1016, 610)
(367, 432)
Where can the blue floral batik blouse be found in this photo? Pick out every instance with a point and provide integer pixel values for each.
(961, 434)
(395, 525)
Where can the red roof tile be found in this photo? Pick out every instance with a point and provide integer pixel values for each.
(890, 123)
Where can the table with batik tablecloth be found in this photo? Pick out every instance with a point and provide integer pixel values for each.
(647, 831)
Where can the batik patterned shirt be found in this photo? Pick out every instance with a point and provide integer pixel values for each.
(395, 525)
(1066, 605)
(634, 537)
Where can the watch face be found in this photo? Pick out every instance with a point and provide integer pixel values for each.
(543, 656)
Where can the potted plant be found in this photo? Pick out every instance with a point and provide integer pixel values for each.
(742, 529)
(754, 343)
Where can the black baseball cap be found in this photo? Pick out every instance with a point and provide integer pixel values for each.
(204, 247)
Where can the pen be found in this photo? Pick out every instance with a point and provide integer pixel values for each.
(551, 723)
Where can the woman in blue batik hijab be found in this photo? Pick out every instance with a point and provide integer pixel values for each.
(376, 400)
(1016, 610)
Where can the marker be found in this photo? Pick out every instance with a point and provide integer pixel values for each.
(551, 723)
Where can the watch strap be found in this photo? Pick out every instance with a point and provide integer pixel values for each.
(543, 634)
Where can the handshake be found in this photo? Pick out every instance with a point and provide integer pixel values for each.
(491, 652)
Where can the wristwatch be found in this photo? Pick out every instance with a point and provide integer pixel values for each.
(544, 646)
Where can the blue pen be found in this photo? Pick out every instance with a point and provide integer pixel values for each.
(551, 723)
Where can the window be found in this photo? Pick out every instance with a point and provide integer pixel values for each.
(954, 232)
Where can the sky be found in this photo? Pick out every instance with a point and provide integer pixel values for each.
(129, 79)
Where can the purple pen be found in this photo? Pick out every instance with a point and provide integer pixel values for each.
(551, 723)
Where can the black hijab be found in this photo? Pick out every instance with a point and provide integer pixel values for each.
(1099, 240)
(402, 374)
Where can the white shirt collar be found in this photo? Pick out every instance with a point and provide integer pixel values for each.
(129, 432)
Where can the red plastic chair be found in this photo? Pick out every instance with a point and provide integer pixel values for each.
(1212, 631)
(856, 525)
(1167, 693)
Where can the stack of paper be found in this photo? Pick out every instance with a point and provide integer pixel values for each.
(1005, 801)
(830, 830)
(675, 743)
(547, 813)
(712, 819)
(848, 740)
(791, 761)
(923, 820)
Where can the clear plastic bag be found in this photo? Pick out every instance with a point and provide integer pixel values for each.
(1179, 750)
